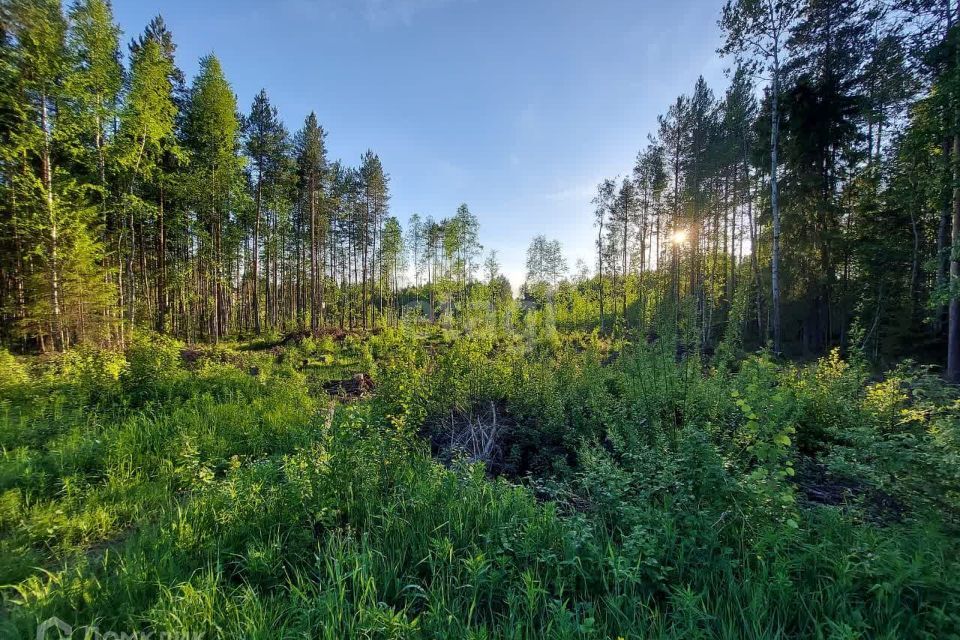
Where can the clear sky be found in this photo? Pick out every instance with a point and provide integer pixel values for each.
(516, 107)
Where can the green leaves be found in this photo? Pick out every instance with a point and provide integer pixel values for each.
(771, 447)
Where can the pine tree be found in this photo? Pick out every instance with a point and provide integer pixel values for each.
(650, 180)
(392, 256)
(39, 30)
(265, 146)
(603, 203)
(758, 30)
(739, 115)
(95, 81)
(312, 163)
(375, 194)
(211, 130)
(146, 136)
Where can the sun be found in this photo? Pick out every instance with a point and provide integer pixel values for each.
(679, 236)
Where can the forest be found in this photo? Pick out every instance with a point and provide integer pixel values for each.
(243, 397)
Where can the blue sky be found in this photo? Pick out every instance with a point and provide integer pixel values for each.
(516, 107)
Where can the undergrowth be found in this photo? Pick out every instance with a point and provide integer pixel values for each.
(644, 492)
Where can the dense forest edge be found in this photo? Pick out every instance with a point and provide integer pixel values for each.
(240, 398)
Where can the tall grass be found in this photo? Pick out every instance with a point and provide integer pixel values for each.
(164, 497)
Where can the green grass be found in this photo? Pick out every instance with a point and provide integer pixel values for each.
(201, 499)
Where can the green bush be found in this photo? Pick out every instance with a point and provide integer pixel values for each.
(152, 361)
(91, 374)
(12, 372)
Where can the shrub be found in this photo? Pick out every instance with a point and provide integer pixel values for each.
(151, 361)
(92, 374)
(12, 372)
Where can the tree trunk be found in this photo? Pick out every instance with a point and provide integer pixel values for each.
(54, 244)
(161, 268)
(953, 332)
(775, 208)
(953, 329)
(314, 315)
(214, 320)
(256, 255)
(363, 274)
(600, 271)
(626, 228)
(322, 275)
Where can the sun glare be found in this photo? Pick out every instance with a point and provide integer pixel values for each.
(679, 236)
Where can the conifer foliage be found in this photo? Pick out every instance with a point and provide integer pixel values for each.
(813, 201)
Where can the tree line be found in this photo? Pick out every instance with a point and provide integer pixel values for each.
(813, 202)
(130, 199)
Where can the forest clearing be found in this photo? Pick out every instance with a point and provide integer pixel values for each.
(223, 491)
(714, 395)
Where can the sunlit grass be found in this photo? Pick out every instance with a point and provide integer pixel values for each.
(198, 496)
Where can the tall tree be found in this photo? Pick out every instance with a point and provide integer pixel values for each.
(39, 30)
(674, 135)
(212, 133)
(265, 145)
(312, 162)
(174, 92)
(96, 80)
(375, 193)
(415, 245)
(467, 230)
(650, 178)
(739, 115)
(624, 216)
(757, 30)
(603, 203)
(392, 256)
(146, 136)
